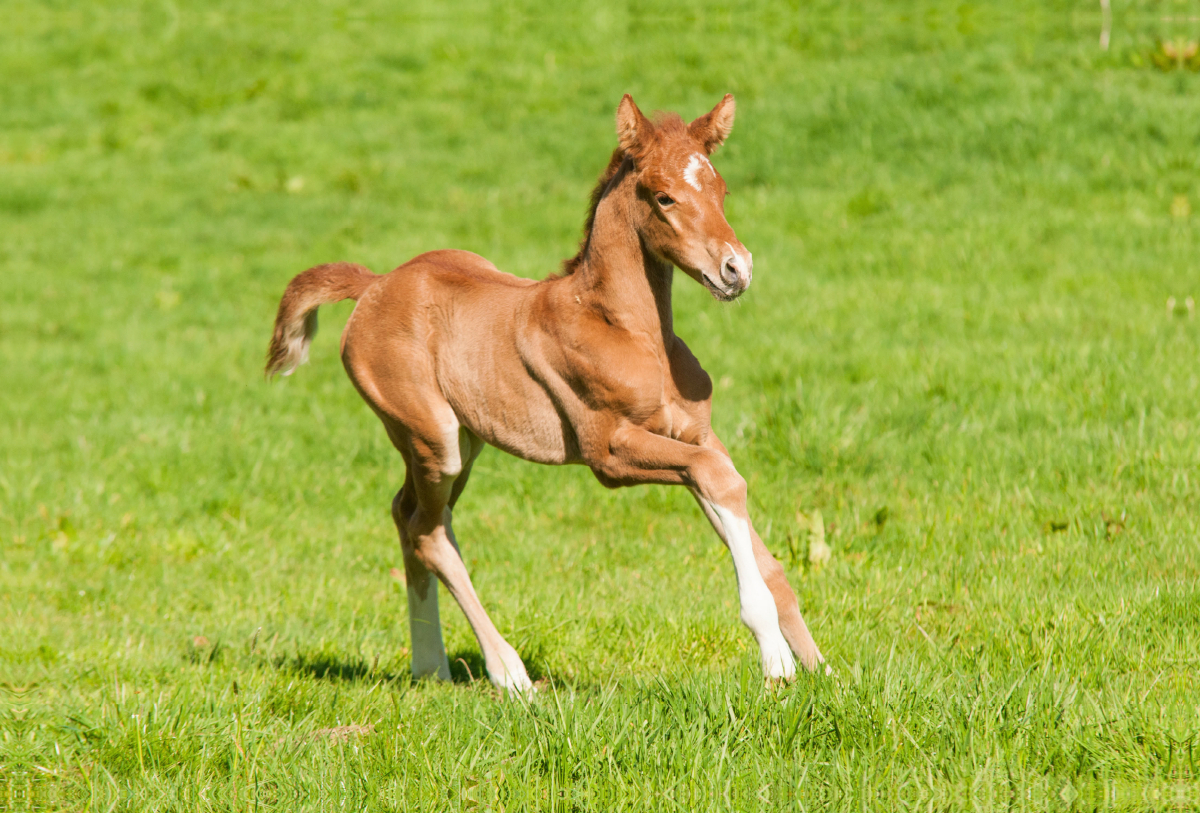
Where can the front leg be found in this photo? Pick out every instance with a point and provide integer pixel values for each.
(638, 456)
(791, 622)
(760, 607)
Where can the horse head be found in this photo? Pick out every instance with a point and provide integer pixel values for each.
(680, 209)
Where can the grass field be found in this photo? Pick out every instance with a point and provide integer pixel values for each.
(971, 344)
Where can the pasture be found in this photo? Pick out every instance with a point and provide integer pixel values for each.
(971, 345)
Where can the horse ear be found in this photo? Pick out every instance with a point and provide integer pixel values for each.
(713, 127)
(632, 127)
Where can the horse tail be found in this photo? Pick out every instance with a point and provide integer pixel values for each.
(296, 322)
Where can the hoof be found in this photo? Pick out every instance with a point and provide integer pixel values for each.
(509, 675)
(777, 660)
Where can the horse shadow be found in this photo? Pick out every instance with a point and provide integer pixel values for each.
(336, 668)
(466, 666)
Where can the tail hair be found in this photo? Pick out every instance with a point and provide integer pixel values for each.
(296, 321)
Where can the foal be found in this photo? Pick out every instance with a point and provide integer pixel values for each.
(582, 367)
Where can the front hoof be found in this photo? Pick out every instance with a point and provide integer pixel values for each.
(517, 687)
(777, 661)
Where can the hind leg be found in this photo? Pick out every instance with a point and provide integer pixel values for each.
(424, 624)
(437, 473)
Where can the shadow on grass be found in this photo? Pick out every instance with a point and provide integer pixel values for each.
(466, 667)
(325, 666)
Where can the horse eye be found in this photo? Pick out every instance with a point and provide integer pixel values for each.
(663, 199)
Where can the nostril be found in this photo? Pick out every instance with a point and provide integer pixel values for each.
(729, 272)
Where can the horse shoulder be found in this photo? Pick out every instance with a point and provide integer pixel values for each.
(599, 375)
(615, 370)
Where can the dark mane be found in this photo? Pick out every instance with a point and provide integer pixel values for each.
(614, 164)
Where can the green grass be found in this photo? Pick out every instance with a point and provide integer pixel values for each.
(967, 223)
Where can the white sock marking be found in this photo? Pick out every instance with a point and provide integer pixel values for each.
(758, 605)
(425, 630)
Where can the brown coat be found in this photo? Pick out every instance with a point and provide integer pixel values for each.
(582, 367)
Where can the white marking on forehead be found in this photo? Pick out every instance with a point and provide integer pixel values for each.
(694, 165)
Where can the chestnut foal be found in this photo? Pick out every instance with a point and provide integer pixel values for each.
(582, 367)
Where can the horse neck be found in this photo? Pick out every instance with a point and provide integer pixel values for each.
(618, 274)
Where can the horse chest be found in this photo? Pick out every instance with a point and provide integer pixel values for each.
(639, 387)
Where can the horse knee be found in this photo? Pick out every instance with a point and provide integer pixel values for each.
(720, 483)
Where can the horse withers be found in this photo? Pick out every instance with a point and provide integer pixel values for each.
(581, 367)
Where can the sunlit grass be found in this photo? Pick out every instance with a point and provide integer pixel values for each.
(967, 226)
